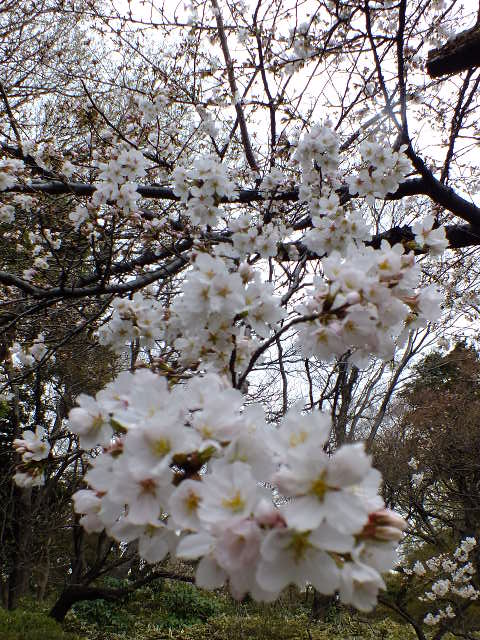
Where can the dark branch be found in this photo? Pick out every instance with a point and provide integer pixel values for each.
(459, 54)
(427, 186)
(78, 592)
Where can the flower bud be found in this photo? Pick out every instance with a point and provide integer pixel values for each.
(267, 515)
(388, 518)
(384, 525)
(388, 534)
(246, 272)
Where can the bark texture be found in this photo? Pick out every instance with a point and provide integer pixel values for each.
(458, 54)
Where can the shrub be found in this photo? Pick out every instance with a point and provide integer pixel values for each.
(108, 616)
(262, 627)
(146, 612)
(183, 604)
(28, 625)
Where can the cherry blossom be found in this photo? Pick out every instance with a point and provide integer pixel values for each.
(185, 471)
(33, 445)
(177, 461)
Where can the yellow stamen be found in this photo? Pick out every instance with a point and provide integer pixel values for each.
(299, 544)
(148, 486)
(298, 438)
(192, 501)
(319, 487)
(206, 431)
(161, 447)
(150, 530)
(97, 423)
(235, 504)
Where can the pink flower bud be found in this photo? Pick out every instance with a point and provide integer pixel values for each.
(267, 515)
(388, 518)
(384, 525)
(389, 534)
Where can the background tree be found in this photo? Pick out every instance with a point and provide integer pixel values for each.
(428, 454)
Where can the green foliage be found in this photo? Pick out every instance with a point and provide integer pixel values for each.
(155, 608)
(263, 627)
(4, 409)
(108, 616)
(183, 604)
(177, 611)
(439, 371)
(259, 627)
(28, 625)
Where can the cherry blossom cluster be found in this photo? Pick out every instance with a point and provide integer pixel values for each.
(318, 154)
(442, 614)
(383, 171)
(48, 157)
(33, 447)
(417, 478)
(363, 301)
(7, 213)
(41, 247)
(334, 229)
(319, 149)
(9, 170)
(207, 122)
(27, 356)
(78, 216)
(185, 469)
(430, 237)
(141, 317)
(249, 238)
(302, 47)
(215, 315)
(201, 189)
(216, 311)
(117, 175)
(151, 109)
(273, 180)
(447, 577)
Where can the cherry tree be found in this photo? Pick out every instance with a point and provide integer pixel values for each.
(198, 188)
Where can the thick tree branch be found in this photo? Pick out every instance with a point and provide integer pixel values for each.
(65, 292)
(78, 592)
(459, 236)
(401, 612)
(427, 185)
(11, 117)
(458, 54)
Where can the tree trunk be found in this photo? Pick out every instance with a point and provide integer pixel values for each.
(3, 593)
(73, 593)
(70, 595)
(19, 578)
(321, 605)
(131, 566)
(43, 573)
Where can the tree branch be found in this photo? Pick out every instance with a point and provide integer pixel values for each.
(427, 185)
(77, 592)
(233, 88)
(458, 54)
